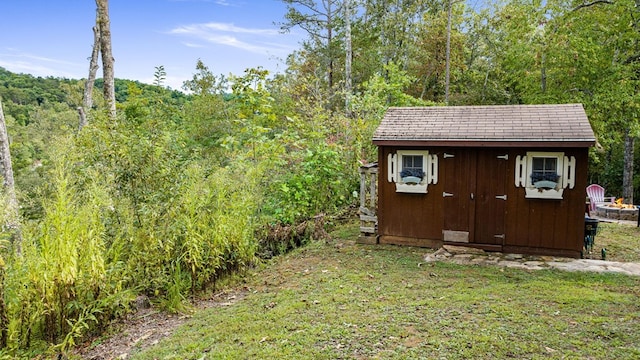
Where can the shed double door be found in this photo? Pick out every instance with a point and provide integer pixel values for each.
(474, 195)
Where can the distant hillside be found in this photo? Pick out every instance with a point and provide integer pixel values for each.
(25, 89)
(39, 109)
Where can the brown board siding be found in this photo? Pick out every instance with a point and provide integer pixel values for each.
(476, 177)
(407, 215)
(546, 223)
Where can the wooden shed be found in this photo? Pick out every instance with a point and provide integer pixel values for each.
(501, 178)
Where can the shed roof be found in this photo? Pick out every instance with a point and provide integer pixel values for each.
(564, 125)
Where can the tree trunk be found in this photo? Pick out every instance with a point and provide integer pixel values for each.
(543, 73)
(330, 49)
(4, 319)
(627, 176)
(104, 26)
(448, 55)
(83, 118)
(87, 99)
(13, 222)
(347, 61)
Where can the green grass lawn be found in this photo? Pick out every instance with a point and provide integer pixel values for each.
(621, 241)
(382, 302)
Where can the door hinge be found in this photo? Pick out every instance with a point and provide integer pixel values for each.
(448, 155)
(499, 236)
(503, 157)
(501, 197)
(446, 194)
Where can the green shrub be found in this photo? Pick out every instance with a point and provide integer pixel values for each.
(320, 182)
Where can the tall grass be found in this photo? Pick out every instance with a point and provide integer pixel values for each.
(58, 290)
(208, 228)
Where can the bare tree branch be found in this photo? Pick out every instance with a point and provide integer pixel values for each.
(586, 5)
(87, 99)
(632, 59)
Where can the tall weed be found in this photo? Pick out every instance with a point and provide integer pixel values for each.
(212, 221)
(60, 285)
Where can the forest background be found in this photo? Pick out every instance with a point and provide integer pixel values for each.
(184, 187)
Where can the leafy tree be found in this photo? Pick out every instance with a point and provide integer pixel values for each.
(207, 116)
(612, 63)
(428, 58)
(394, 24)
(319, 20)
(557, 52)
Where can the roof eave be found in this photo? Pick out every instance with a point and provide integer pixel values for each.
(572, 143)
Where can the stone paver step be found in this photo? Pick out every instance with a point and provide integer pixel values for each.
(462, 255)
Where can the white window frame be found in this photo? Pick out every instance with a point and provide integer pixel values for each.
(429, 167)
(565, 168)
(559, 156)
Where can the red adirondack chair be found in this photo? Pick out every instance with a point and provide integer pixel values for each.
(596, 196)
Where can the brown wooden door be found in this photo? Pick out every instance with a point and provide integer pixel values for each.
(459, 167)
(491, 197)
(474, 196)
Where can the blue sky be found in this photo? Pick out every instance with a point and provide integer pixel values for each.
(54, 38)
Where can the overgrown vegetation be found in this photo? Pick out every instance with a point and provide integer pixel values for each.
(180, 190)
(141, 206)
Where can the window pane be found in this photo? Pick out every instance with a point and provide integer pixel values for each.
(412, 162)
(544, 169)
(417, 161)
(545, 164)
(407, 161)
(538, 164)
(550, 164)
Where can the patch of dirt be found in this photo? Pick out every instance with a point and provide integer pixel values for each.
(146, 327)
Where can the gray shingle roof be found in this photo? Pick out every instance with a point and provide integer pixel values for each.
(486, 124)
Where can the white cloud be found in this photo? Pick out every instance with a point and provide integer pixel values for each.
(34, 69)
(15, 53)
(19, 62)
(237, 30)
(254, 40)
(192, 45)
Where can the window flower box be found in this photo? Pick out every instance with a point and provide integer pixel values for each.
(545, 184)
(411, 180)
